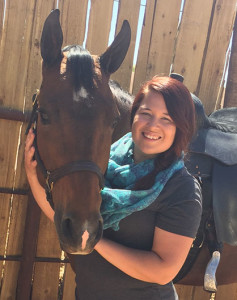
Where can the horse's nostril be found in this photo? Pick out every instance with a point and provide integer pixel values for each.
(67, 226)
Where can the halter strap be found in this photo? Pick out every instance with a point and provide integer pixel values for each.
(52, 176)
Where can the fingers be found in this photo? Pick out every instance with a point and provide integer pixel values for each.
(29, 140)
(30, 163)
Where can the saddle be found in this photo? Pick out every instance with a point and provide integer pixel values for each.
(213, 153)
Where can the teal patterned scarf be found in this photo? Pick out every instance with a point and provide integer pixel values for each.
(118, 198)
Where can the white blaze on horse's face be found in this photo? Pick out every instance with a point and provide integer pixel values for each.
(84, 238)
(81, 93)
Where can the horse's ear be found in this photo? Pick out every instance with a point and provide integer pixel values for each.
(51, 38)
(113, 57)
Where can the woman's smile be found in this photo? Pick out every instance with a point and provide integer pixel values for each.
(151, 137)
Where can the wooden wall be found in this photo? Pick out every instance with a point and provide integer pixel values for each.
(194, 47)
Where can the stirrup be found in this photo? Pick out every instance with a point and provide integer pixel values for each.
(210, 284)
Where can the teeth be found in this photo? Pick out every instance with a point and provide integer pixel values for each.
(151, 137)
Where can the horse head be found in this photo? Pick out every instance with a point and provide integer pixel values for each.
(77, 113)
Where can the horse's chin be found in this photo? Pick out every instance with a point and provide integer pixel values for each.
(76, 250)
(81, 252)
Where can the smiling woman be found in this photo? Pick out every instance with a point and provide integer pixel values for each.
(151, 205)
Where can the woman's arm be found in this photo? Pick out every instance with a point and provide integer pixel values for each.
(30, 167)
(160, 265)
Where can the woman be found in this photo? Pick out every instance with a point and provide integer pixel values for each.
(155, 202)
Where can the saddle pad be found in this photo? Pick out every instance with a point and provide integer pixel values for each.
(217, 144)
(224, 182)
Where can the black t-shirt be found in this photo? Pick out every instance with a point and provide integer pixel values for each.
(177, 210)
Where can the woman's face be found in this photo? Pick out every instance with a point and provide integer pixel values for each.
(153, 130)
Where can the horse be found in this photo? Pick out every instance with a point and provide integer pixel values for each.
(77, 114)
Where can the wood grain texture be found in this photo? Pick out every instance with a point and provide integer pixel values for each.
(46, 281)
(9, 282)
(73, 21)
(220, 33)
(191, 41)
(99, 26)
(231, 87)
(128, 10)
(69, 284)
(144, 47)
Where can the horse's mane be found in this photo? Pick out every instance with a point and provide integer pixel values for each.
(80, 66)
(123, 96)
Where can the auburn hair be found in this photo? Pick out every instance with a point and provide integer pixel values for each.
(181, 109)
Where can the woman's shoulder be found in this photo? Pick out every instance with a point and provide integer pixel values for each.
(179, 206)
(182, 186)
(183, 179)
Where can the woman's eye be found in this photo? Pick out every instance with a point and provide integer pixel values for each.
(145, 114)
(167, 120)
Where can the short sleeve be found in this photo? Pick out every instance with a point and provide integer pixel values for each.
(180, 205)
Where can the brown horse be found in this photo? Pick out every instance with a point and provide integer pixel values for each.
(78, 110)
(75, 114)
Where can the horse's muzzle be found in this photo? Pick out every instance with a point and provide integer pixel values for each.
(79, 237)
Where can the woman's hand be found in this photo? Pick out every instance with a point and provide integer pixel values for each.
(30, 167)
(30, 163)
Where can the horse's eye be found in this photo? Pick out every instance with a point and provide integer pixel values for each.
(44, 117)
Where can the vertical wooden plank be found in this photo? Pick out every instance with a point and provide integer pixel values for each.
(99, 26)
(48, 243)
(69, 284)
(231, 87)
(128, 10)
(1, 17)
(46, 275)
(73, 21)
(14, 51)
(46, 282)
(17, 225)
(164, 30)
(163, 37)
(29, 249)
(143, 52)
(4, 216)
(191, 41)
(9, 282)
(220, 34)
(9, 131)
